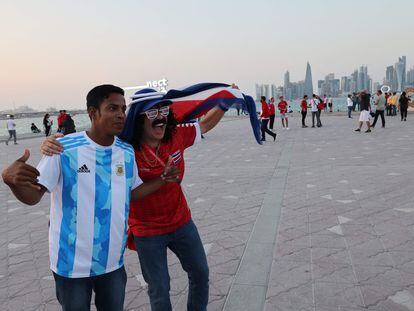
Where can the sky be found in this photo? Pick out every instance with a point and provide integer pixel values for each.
(53, 52)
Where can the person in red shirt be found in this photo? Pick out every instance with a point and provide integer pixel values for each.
(60, 119)
(265, 116)
(283, 109)
(271, 113)
(162, 219)
(304, 109)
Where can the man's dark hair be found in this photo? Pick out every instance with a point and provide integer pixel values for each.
(379, 91)
(99, 93)
(305, 96)
(139, 129)
(262, 97)
(349, 95)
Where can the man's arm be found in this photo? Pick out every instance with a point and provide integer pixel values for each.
(211, 119)
(171, 174)
(22, 180)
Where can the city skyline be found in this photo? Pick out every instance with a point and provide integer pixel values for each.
(396, 77)
(55, 52)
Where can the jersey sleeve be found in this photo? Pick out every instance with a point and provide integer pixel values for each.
(136, 180)
(189, 134)
(49, 169)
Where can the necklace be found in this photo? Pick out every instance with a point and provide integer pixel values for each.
(152, 163)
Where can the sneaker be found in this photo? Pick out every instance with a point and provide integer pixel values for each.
(274, 137)
(358, 130)
(7, 143)
(288, 128)
(263, 139)
(313, 126)
(16, 143)
(405, 119)
(368, 131)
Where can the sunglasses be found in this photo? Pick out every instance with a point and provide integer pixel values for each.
(153, 113)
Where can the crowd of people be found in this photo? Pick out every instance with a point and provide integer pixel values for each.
(371, 107)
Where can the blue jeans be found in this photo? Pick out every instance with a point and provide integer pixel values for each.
(185, 242)
(349, 111)
(74, 294)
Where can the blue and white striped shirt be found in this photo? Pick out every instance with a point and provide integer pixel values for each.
(90, 186)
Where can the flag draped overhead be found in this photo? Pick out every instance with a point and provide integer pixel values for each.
(194, 101)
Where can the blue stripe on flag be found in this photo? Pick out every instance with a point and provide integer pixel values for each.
(67, 239)
(103, 203)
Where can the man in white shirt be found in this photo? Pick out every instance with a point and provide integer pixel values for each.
(314, 109)
(11, 127)
(350, 105)
(92, 182)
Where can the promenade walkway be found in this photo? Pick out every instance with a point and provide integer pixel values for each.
(321, 220)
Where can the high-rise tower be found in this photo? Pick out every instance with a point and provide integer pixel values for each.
(308, 81)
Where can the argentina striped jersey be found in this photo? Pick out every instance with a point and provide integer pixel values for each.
(90, 186)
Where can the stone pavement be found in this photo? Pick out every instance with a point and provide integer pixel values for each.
(320, 220)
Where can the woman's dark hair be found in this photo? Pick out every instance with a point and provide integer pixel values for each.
(139, 129)
(403, 94)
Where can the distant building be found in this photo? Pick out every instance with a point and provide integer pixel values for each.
(308, 85)
(329, 86)
(395, 76)
(410, 78)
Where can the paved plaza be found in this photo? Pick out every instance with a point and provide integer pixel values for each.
(320, 220)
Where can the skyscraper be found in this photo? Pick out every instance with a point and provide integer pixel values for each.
(400, 73)
(308, 81)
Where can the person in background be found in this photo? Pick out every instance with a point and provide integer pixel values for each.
(365, 111)
(392, 102)
(325, 103)
(11, 127)
(283, 109)
(403, 105)
(68, 125)
(271, 113)
(387, 103)
(47, 123)
(304, 109)
(330, 103)
(34, 128)
(321, 105)
(314, 109)
(61, 117)
(379, 103)
(264, 115)
(350, 105)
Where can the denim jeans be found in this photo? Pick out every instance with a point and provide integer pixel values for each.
(349, 111)
(74, 294)
(185, 242)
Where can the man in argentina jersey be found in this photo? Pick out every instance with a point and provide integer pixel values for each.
(91, 184)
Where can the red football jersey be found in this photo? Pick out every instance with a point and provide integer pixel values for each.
(166, 209)
(282, 107)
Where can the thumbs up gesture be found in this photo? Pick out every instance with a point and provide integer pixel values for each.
(20, 174)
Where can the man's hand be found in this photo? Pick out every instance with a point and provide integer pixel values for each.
(20, 174)
(51, 146)
(171, 172)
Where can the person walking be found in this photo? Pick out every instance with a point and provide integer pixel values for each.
(283, 109)
(314, 102)
(265, 115)
(403, 105)
(272, 113)
(365, 111)
(350, 105)
(379, 104)
(11, 127)
(47, 124)
(304, 109)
